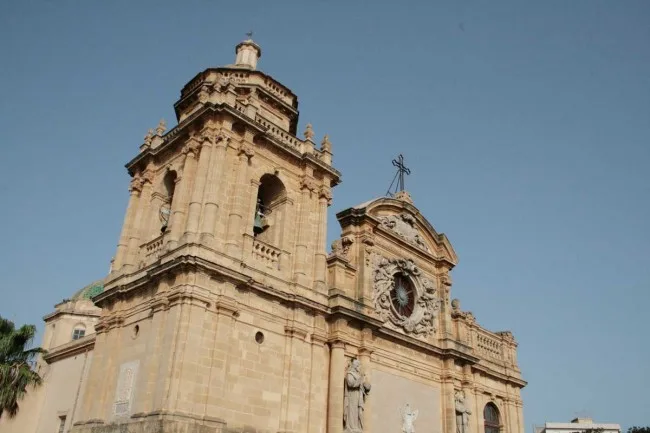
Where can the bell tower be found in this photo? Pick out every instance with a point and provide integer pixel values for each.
(224, 236)
(232, 181)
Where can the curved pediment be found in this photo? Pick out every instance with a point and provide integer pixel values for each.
(401, 220)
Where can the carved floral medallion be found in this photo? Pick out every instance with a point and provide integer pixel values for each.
(404, 297)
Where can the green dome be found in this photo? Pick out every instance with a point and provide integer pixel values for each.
(91, 290)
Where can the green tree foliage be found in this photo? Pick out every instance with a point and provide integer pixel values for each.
(16, 374)
(636, 429)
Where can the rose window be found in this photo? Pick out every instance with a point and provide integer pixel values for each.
(402, 296)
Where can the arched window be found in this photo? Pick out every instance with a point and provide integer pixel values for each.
(78, 332)
(491, 418)
(269, 211)
(169, 184)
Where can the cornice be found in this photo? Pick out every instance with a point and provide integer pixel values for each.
(70, 311)
(175, 133)
(71, 348)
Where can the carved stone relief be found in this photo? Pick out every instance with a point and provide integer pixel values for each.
(426, 302)
(403, 225)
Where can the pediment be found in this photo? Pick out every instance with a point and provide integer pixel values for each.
(403, 222)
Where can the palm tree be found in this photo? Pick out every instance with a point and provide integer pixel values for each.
(16, 374)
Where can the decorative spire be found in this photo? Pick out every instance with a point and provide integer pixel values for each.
(161, 128)
(326, 145)
(309, 132)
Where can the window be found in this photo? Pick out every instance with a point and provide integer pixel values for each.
(78, 333)
(402, 296)
(61, 423)
(491, 417)
(269, 211)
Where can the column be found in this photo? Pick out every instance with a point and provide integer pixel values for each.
(337, 376)
(234, 243)
(300, 259)
(212, 189)
(320, 260)
(137, 228)
(194, 212)
(182, 196)
(131, 209)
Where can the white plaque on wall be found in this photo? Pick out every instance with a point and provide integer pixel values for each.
(124, 391)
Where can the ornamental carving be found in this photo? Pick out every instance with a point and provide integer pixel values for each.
(341, 247)
(403, 225)
(192, 146)
(307, 183)
(136, 183)
(326, 194)
(404, 297)
(457, 313)
(247, 150)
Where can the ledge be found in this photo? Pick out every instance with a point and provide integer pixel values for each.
(72, 348)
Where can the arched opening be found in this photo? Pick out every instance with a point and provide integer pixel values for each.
(269, 209)
(78, 332)
(169, 185)
(491, 418)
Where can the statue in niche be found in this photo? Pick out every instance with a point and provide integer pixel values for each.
(408, 419)
(462, 412)
(356, 389)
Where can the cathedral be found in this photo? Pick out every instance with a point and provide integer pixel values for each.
(224, 311)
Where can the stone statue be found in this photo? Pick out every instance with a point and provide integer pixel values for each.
(462, 412)
(408, 419)
(356, 389)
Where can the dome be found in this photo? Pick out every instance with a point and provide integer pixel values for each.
(89, 291)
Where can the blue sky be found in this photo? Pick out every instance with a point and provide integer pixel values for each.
(526, 126)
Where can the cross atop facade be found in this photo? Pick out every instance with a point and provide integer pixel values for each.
(402, 170)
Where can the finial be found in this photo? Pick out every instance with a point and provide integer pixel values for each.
(161, 128)
(309, 132)
(326, 145)
(148, 137)
(249, 34)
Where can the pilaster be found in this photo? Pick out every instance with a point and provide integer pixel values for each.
(234, 242)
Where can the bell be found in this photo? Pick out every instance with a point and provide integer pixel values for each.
(258, 226)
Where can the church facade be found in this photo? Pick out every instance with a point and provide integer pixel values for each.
(224, 311)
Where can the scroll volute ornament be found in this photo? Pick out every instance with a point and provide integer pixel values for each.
(137, 183)
(426, 302)
(193, 145)
(325, 193)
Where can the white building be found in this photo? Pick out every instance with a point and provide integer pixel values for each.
(578, 425)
